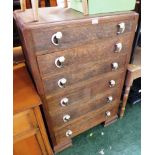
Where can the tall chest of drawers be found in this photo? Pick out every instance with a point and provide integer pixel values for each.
(78, 64)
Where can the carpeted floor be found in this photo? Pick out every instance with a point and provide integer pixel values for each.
(121, 138)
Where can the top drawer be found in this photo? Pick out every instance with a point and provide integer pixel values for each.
(58, 37)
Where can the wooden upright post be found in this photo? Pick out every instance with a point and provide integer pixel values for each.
(35, 9)
(42, 3)
(65, 4)
(23, 5)
(85, 6)
(53, 2)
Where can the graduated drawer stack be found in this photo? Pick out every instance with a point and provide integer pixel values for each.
(78, 64)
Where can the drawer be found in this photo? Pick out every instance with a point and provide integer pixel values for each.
(65, 80)
(23, 123)
(96, 50)
(92, 100)
(98, 99)
(85, 122)
(77, 33)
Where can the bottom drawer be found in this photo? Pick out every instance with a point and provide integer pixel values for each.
(86, 122)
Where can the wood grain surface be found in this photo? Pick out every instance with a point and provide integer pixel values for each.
(24, 96)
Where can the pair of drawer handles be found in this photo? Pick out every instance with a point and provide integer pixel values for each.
(65, 101)
(70, 132)
(59, 62)
(62, 82)
(57, 36)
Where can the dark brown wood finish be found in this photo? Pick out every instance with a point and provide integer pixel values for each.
(99, 99)
(91, 119)
(80, 75)
(89, 51)
(89, 98)
(80, 111)
(74, 36)
(83, 55)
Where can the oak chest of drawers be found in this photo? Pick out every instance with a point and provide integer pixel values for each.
(78, 64)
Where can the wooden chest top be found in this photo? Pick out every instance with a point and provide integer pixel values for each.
(57, 15)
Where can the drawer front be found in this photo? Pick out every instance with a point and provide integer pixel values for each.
(82, 74)
(75, 34)
(93, 99)
(24, 122)
(94, 51)
(99, 99)
(86, 122)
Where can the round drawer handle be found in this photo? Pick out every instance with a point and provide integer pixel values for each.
(115, 66)
(112, 83)
(66, 118)
(62, 82)
(118, 47)
(121, 28)
(108, 113)
(64, 102)
(109, 99)
(56, 37)
(59, 62)
(69, 133)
